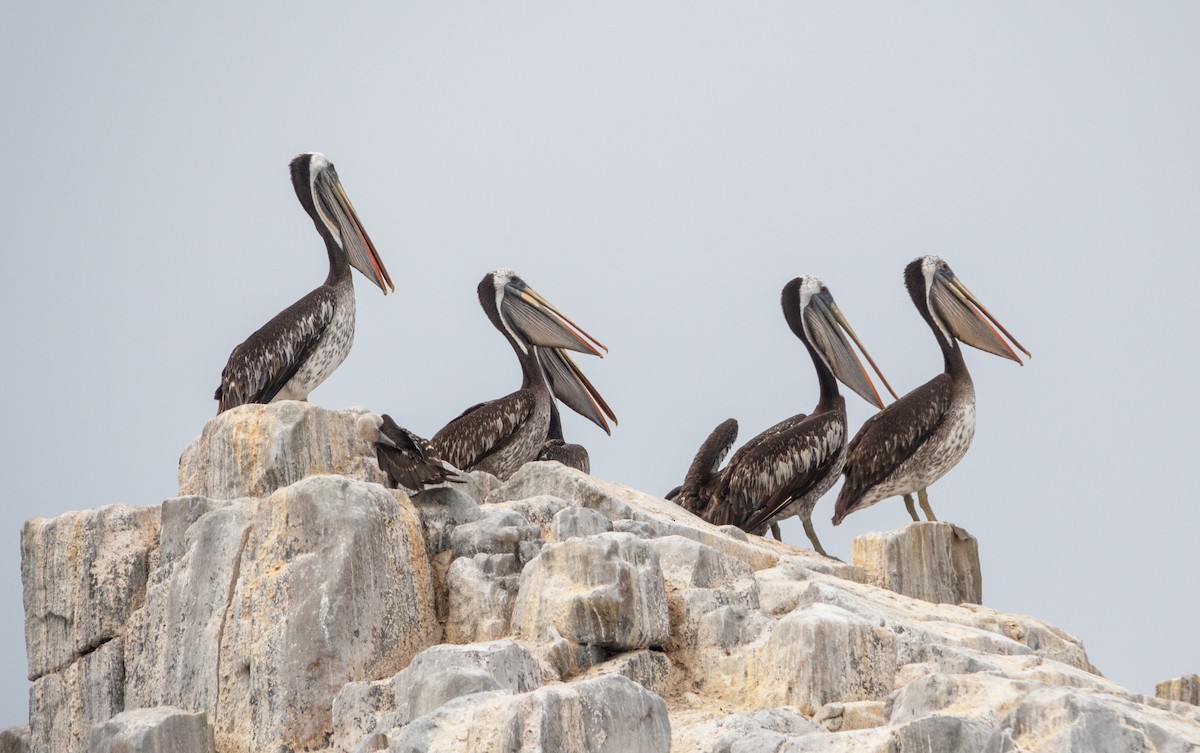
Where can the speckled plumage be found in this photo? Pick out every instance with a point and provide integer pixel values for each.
(781, 472)
(289, 356)
(909, 445)
(498, 436)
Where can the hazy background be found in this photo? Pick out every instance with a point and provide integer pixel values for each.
(658, 171)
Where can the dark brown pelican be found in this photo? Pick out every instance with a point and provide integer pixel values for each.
(784, 470)
(917, 439)
(502, 435)
(298, 349)
(407, 459)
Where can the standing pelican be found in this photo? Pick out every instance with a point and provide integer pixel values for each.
(502, 435)
(784, 470)
(917, 439)
(303, 344)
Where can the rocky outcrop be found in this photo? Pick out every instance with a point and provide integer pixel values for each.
(287, 601)
(1185, 689)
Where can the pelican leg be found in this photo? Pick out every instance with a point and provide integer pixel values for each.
(812, 537)
(911, 507)
(775, 532)
(924, 497)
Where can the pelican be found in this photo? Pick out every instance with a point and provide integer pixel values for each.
(303, 344)
(784, 470)
(502, 435)
(917, 439)
(407, 459)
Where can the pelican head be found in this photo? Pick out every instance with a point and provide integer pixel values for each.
(528, 319)
(816, 319)
(317, 185)
(954, 311)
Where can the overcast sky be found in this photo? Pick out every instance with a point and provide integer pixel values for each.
(659, 171)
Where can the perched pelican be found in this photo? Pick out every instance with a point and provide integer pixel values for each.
(298, 349)
(784, 470)
(407, 459)
(917, 439)
(502, 435)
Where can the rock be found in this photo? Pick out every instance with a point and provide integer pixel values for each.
(442, 509)
(63, 705)
(435, 677)
(157, 730)
(172, 658)
(83, 573)
(699, 580)
(578, 522)
(15, 739)
(650, 669)
(496, 532)
(604, 591)
(747, 732)
(481, 591)
(839, 717)
(1185, 689)
(334, 585)
(609, 714)
(253, 450)
(937, 562)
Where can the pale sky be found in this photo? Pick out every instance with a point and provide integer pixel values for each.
(659, 171)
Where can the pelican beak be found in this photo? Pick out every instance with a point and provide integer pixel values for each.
(570, 386)
(543, 324)
(336, 206)
(968, 319)
(827, 329)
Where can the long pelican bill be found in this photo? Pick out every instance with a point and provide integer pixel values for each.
(826, 325)
(543, 324)
(569, 385)
(968, 319)
(336, 206)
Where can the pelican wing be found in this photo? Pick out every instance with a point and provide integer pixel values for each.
(468, 439)
(260, 367)
(785, 464)
(889, 438)
(407, 459)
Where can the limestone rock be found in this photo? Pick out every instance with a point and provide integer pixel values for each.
(574, 522)
(937, 562)
(838, 717)
(175, 638)
(1185, 689)
(334, 585)
(253, 450)
(443, 509)
(83, 573)
(15, 739)
(481, 591)
(156, 730)
(650, 669)
(747, 732)
(434, 678)
(605, 591)
(63, 705)
(609, 714)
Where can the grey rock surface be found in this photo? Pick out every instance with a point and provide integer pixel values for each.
(334, 585)
(609, 714)
(15, 739)
(604, 591)
(935, 561)
(253, 450)
(63, 705)
(155, 730)
(83, 573)
(1185, 689)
